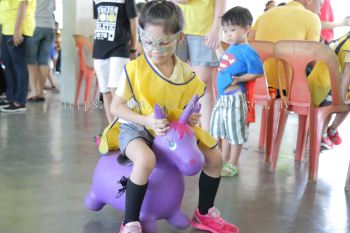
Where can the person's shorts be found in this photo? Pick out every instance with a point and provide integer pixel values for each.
(131, 131)
(39, 45)
(327, 101)
(108, 72)
(193, 50)
(228, 119)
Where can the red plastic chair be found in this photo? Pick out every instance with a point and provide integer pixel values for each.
(295, 55)
(262, 96)
(347, 182)
(84, 51)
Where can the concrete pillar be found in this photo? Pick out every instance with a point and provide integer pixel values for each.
(77, 19)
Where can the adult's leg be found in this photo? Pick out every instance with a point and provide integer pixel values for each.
(206, 74)
(20, 65)
(9, 69)
(101, 67)
(116, 66)
(33, 71)
(47, 35)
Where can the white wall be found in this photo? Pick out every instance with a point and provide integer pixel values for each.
(85, 22)
(77, 19)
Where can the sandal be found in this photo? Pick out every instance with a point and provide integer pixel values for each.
(229, 170)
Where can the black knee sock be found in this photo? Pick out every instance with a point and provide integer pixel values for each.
(208, 187)
(134, 198)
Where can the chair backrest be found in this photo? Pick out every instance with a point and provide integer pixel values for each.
(295, 56)
(84, 50)
(265, 49)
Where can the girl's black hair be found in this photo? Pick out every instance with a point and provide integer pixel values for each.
(237, 16)
(164, 13)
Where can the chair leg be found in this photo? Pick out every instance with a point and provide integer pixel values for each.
(95, 89)
(77, 92)
(271, 127)
(316, 125)
(87, 88)
(303, 131)
(347, 183)
(262, 136)
(280, 125)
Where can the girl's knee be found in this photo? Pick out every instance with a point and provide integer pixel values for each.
(213, 158)
(145, 162)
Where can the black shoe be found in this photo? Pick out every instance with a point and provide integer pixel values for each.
(4, 104)
(14, 108)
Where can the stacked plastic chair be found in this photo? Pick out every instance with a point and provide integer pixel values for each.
(84, 51)
(295, 56)
(262, 96)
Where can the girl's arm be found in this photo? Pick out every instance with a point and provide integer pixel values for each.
(119, 109)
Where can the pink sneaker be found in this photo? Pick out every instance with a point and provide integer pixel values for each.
(326, 143)
(335, 138)
(213, 222)
(131, 227)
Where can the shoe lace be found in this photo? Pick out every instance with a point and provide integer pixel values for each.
(215, 213)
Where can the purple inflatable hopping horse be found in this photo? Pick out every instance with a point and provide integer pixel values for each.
(177, 154)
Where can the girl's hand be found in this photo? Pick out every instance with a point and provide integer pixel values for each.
(194, 119)
(159, 126)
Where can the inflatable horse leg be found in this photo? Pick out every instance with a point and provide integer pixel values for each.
(149, 224)
(91, 203)
(179, 220)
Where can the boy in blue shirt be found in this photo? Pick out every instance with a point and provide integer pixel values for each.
(239, 64)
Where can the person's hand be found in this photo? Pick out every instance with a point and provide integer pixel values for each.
(194, 119)
(133, 56)
(212, 39)
(17, 38)
(159, 126)
(346, 21)
(235, 80)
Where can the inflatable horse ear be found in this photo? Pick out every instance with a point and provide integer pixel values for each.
(158, 112)
(190, 108)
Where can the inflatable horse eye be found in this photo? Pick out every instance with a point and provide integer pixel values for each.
(172, 144)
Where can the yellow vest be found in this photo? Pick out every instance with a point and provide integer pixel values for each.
(149, 88)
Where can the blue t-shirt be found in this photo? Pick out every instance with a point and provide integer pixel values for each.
(236, 61)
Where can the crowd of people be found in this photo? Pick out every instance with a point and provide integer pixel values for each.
(164, 52)
(28, 38)
(174, 35)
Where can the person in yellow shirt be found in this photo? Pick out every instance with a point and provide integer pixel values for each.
(298, 20)
(18, 22)
(202, 36)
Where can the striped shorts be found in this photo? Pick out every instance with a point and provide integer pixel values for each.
(228, 118)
